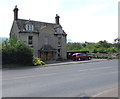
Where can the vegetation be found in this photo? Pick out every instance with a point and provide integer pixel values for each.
(15, 51)
(101, 47)
(37, 61)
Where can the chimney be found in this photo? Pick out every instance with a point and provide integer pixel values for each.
(57, 19)
(15, 13)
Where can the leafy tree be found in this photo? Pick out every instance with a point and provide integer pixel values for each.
(112, 49)
(104, 44)
(74, 46)
(15, 51)
(101, 46)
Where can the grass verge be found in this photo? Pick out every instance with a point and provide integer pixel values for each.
(13, 66)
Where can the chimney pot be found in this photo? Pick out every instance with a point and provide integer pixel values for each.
(57, 19)
(15, 13)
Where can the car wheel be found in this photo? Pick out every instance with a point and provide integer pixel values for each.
(89, 58)
(79, 59)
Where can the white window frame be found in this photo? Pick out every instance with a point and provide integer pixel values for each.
(29, 27)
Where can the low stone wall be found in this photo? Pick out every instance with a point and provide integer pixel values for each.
(105, 55)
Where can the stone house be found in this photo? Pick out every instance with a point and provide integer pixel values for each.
(47, 39)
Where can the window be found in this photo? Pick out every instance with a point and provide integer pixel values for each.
(59, 52)
(59, 30)
(46, 40)
(29, 27)
(30, 40)
(59, 41)
(82, 54)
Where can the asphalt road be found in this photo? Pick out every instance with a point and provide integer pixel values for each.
(73, 80)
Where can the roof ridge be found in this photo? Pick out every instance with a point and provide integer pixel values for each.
(37, 21)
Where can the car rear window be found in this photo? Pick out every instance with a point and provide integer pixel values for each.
(82, 54)
(74, 55)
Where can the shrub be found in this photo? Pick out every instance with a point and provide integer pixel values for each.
(15, 51)
(37, 61)
(43, 63)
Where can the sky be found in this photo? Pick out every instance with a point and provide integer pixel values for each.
(82, 20)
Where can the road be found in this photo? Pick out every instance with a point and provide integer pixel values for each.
(73, 80)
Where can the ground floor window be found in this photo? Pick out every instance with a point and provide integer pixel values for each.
(59, 52)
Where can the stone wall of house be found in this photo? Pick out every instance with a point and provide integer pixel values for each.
(46, 32)
(14, 30)
(24, 37)
(53, 41)
(64, 48)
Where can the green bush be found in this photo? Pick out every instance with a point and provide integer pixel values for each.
(37, 61)
(15, 51)
(113, 49)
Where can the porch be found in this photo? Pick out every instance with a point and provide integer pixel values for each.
(47, 53)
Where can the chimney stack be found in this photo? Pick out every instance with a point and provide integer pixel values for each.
(15, 13)
(57, 19)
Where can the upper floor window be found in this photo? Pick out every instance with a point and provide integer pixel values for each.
(29, 27)
(30, 40)
(59, 41)
(46, 40)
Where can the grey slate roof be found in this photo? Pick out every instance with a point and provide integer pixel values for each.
(37, 25)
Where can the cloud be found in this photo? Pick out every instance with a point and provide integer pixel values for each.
(92, 9)
(91, 28)
(82, 20)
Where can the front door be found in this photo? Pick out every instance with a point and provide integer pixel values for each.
(46, 56)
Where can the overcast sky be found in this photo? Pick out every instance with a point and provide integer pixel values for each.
(82, 20)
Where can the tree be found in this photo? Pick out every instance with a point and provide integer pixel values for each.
(15, 51)
(104, 44)
(101, 46)
(113, 49)
(117, 40)
(74, 46)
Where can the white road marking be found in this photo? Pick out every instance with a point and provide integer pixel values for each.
(29, 76)
(94, 69)
(104, 92)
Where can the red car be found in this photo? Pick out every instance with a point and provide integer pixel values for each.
(81, 56)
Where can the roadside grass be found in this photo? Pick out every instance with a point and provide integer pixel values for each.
(18, 66)
(105, 57)
(13, 66)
